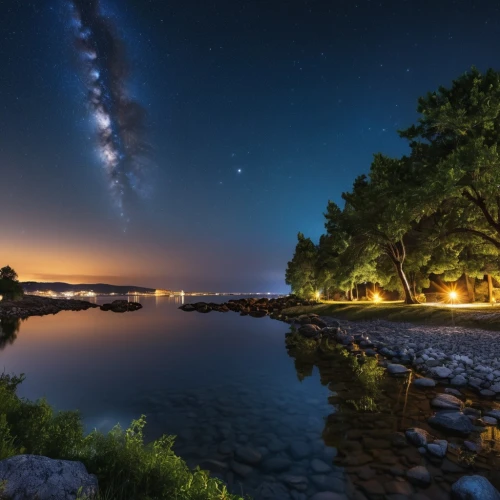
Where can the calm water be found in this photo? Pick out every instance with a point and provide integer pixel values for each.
(209, 378)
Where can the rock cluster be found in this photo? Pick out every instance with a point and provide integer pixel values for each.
(253, 306)
(32, 305)
(121, 306)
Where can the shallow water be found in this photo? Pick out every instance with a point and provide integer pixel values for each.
(221, 383)
(206, 377)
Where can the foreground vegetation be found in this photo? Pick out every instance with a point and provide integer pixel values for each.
(487, 317)
(434, 211)
(125, 466)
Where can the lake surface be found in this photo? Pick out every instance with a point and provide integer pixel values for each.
(208, 378)
(271, 423)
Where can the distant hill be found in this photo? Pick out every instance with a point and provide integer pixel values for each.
(99, 288)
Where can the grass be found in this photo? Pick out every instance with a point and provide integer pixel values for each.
(486, 317)
(126, 467)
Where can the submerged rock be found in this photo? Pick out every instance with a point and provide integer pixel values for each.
(396, 370)
(474, 488)
(454, 422)
(447, 402)
(248, 455)
(424, 382)
(29, 476)
(438, 448)
(419, 475)
(417, 436)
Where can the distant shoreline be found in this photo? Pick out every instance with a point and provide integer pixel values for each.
(33, 305)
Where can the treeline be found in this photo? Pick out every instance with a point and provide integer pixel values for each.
(434, 211)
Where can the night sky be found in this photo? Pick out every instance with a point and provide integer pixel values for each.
(218, 129)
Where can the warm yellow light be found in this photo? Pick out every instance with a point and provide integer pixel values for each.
(453, 295)
(377, 297)
(318, 295)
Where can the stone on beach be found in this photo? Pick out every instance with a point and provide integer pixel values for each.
(441, 371)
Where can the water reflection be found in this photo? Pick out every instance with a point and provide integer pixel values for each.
(9, 328)
(370, 414)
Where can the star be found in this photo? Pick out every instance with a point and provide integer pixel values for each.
(239, 170)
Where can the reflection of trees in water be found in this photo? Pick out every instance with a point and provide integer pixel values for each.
(9, 328)
(370, 413)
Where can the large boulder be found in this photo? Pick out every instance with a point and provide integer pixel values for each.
(474, 488)
(29, 476)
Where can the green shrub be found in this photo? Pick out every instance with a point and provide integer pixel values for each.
(126, 467)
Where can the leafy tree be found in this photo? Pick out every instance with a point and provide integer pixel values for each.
(10, 288)
(301, 273)
(382, 209)
(8, 273)
(456, 143)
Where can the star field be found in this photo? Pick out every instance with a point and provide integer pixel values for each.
(256, 113)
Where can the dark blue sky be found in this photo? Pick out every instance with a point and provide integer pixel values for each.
(258, 112)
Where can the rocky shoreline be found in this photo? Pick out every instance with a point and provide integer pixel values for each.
(467, 426)
(33, 305)
(257, 308)
(454, 356)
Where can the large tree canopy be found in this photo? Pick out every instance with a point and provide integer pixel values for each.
(435, 210)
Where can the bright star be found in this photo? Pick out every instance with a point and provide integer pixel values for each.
(239, 170)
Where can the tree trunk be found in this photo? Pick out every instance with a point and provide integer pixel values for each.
(357, 292)
(490, 289)
(469, 282)
(409, 299)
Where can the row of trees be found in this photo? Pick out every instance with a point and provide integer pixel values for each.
(10, 288)
(436, 210)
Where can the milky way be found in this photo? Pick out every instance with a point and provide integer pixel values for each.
(118, 118)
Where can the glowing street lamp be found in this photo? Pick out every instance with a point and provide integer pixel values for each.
(377, 298)
(453, 296)
(318, 295)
